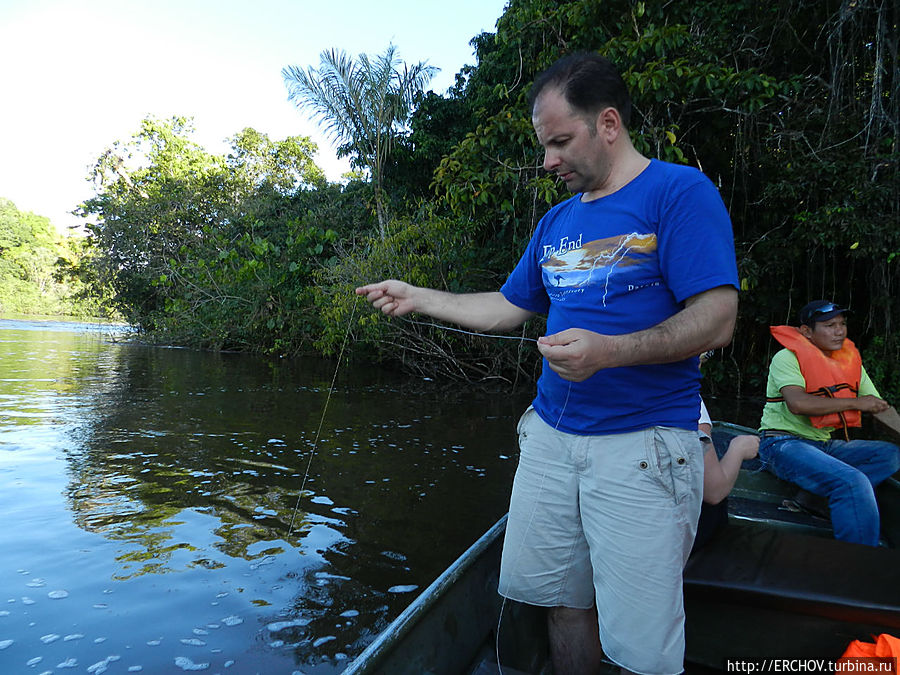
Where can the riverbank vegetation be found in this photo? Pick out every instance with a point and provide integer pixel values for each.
(37, 267)
(791, 107)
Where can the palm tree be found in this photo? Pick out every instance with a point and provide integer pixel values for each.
(362, 105)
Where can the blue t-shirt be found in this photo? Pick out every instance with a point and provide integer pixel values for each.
(620, 264)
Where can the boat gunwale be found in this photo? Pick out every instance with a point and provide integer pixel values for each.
(397, 630)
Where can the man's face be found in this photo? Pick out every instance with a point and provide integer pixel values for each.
(573, 149)
(827, 335)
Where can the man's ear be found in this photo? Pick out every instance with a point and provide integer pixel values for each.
(609, 123)
(805, 331)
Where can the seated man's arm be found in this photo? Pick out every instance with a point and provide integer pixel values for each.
(478, 311)
(800, 402)
(706, 322)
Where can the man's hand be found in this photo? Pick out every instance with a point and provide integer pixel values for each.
(872, 404)
(705, 323)
(394, 298)
(576, 354)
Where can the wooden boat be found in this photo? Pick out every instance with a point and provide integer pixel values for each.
(772, 584)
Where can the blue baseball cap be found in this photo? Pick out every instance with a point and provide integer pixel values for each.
(820, 310)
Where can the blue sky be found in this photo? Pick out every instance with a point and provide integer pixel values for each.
(77, 75)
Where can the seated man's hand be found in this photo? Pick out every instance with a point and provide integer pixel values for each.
(872, 404)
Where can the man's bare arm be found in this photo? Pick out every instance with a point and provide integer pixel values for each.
(478, 311)
(720, 475)
(706, 322)
(800, 402)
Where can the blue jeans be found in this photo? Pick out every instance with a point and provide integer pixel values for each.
(846, 472)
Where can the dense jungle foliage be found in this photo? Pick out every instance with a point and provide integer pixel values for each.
(790, 106)
(37, 268)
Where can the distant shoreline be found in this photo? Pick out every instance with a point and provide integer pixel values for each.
(12, 316)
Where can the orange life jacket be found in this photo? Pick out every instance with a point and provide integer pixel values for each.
(885, 647)
(836, 375)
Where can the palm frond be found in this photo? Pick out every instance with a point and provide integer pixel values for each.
(364, 104)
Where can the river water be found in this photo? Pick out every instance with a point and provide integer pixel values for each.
(147, 496)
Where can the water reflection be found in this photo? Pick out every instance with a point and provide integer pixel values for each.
(156, 488)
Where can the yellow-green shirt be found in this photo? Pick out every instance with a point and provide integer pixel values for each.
(784, 371)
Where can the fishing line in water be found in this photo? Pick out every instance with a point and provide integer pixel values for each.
(325, 410)
(322, 419)
(334, 379)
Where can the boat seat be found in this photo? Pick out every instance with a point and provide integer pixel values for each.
(786, 515)
(799, 596)
(799, 573)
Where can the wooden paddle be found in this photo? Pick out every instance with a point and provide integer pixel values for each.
(890, 419)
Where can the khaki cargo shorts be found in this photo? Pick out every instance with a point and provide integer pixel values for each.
(607, 520)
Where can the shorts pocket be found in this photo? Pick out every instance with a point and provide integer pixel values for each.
(668, 461)
(522, 426)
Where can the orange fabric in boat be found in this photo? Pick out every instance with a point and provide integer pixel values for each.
(885, 646)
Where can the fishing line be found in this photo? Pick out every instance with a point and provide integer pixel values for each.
(518, 555)
(469, 332)
(543, 475)
(334, 379)
(322, 420)
(325, 410)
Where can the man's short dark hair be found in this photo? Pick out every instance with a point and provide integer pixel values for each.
(588, 82)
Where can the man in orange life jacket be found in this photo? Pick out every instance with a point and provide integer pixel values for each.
(817, 385)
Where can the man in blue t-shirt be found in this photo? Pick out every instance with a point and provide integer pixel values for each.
(607, 492)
